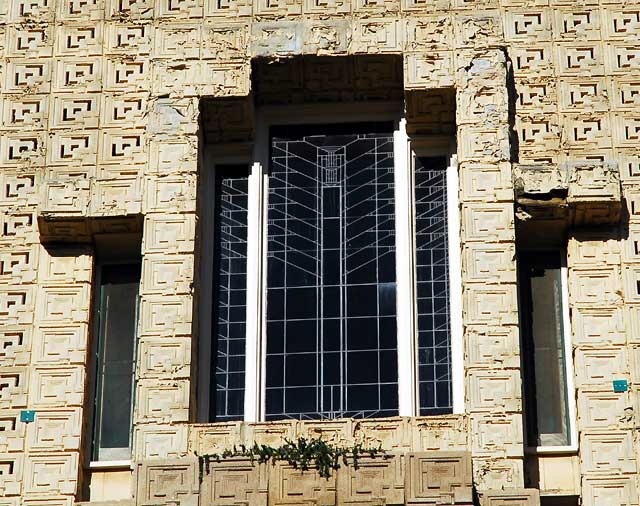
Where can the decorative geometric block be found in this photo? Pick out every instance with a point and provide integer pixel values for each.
(160, 441)
(51, 474)
(60, 345)
(14, 382)
(170, 480)
(603, 410)
(222, 436)
(57, 387)
(12, 432)
(162, 402)
(511, 497)
(497, 435)
(437, 477)
(608, 453)
(15, 343)
(55, 431)
(376, 481)
(434, 433)
(235, 481)
(621, 490)
(493, 390)
(11, 474)
(392, 434)
(288, 486)
(164, 357)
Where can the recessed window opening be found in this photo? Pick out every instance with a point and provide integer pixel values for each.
(230, 282)
(331, 330)
(432, 285)
(546, 350)
(329, 252)
(115, 348)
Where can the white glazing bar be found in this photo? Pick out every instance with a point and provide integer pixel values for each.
(568, 354)
(254, 298)
(262, 335)
(405, 300)
(455, 287)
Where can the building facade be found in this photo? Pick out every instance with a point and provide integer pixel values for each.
(409, 225)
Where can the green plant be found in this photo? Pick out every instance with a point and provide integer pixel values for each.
(300, 454)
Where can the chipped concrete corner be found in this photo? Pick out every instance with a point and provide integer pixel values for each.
(105, 106)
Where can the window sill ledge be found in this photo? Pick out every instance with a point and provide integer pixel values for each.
(552, 450)
(110, 464)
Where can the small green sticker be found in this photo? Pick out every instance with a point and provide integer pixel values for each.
(620, 385)
(27, 415)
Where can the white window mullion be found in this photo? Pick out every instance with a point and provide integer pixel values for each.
(405, 292)
(568, 353)
(262, 343)
(254, 296)
(455, 286)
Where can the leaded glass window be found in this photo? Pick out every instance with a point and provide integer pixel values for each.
(335, 279)
(432, 285)
(331, 310)
(230, 257)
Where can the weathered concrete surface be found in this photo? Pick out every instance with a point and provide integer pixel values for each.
(99, 135)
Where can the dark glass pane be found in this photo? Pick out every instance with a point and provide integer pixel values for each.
(331, 248)
(230, 283)
(115, 361)
(432, 286)
(543, 353)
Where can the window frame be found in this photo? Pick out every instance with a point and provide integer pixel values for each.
(211, 156)
(571, 448)
(432, 146)
(96, 327)
(257, 158)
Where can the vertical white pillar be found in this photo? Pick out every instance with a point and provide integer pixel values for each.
(254, 296)
(405, 306)
(455, 286)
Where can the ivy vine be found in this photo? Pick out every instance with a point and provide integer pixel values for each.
(300, 454)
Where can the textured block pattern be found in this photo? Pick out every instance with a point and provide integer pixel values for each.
(99, 132)
(437, 478)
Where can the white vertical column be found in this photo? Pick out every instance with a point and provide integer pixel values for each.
(568, 355)
(405, 306)
(455, 286)
(262, 337)
(252, 397)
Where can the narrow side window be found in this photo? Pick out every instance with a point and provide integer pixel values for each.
(117, 308)
(230, 292)
(543, 351)
(432, 286)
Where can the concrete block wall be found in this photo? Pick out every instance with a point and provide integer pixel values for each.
(601, 352)
(99, 128)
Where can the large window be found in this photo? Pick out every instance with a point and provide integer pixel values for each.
(114, 362)
(331, 326)
(335, 272)
(546, 351)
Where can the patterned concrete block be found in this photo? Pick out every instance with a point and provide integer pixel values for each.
(288, 485)
(437, 477)
(100, 131)
(524, 497)
(235, 481)
(168, 480)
